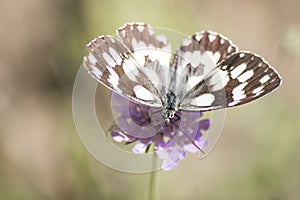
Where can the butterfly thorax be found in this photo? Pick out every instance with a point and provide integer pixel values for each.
(170, 106)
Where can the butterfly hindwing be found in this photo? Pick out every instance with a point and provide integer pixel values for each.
(239, 79)
(217, 46)
(152, 51)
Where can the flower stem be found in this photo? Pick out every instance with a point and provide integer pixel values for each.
(153, 190)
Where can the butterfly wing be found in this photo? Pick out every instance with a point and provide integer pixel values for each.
(197, 56)
(239, 79)
(129, 65)
(217, 75)
(151, 50)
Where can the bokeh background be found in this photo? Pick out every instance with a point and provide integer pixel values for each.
(41, 156)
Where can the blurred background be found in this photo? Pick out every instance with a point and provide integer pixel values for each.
(41, 156)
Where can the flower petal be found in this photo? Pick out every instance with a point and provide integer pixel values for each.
(171, 155)
(201, 143)
(139, 148)
(204, 124)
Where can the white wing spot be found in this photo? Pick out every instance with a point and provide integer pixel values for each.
(140, 28)
(264, 79)
(186, 42)
(152, 75)
(241, 55)
(209, 65)
(238, 70)
(96, 72)
(134, 43)
(211, 38)
(257, 90)
(123, 33)
(221, 84)
(151, 31)
(239, 97)
(233, 103)
(142, 45)
(154, 54)
(239, 90)
(203, 100)
(192, 81)
(222, 41)
(142, 93)
(92, 59)
(245, 76)
(224, 67)
(216, 56)
(162, 38)
(109, 60)
(138, 45)
(229, 49)
(113, 78)
(193, 57)
(198, 37)
(115, 55)
(258, 93)
(130, 70)
(219, 80)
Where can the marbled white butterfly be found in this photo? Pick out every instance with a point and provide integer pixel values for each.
(206, 72)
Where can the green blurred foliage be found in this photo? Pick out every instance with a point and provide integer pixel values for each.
(43, 43)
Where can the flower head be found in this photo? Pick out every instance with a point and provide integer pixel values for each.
(145, 126)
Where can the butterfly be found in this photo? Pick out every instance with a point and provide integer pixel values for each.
(207, 72)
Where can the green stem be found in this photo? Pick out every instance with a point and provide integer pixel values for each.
(153, 191)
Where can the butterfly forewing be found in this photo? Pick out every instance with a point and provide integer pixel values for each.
(251, 77)
(111, 63)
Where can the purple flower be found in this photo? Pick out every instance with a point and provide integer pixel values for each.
(145, 126)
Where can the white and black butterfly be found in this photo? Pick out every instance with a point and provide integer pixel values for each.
(206, 72)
